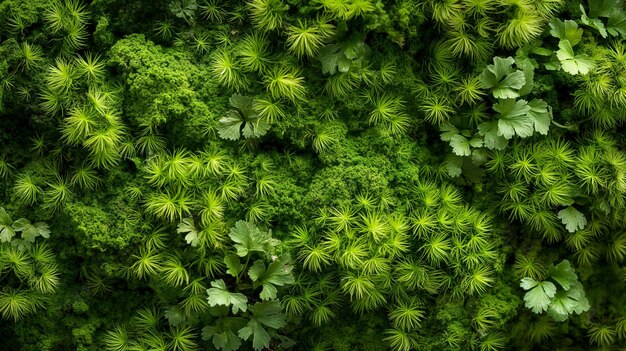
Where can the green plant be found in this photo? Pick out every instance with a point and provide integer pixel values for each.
(228, 331)
(267, 14)
(242, 120)
(543, 295)
(285, 82)
(254, 52)
(304, 39)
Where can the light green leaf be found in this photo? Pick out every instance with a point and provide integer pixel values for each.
(617, 23)
(573, 64)
(264, 314)
(248, 238)
(568, 302)
(6, 233)
(43, 229)
(449, 131)
(567, 30)
(541, 114)
(502, 78)
(345, 55)
(242, 120)
(233, 265)
(230, 127)
(269, 313)
(460, 145)
(513, 118)
(187, 226)
(31, 231)
(219, 295)
(260, 336)
(529, 75)
(492, 140)
(593, 22)
(542, 51)
(278, 273)
(572, 218)
(563, 273)
(538, 298)
(5, 219)
(561, 306)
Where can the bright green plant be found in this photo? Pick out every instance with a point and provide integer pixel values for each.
(236, 318)
(559, 303)
(242, 120)
(28, 267)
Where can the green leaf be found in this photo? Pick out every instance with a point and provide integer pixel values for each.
(269, 313)
(454, 165)
(248, 238)
(513, 118)
(278, 273)
(225, 340)
(541, 114)
(264, 314)
(568, 302)
(223, 333)
(260, 336)
(538, 298)
(617, 23)
(242, 120)
(572, 218)
(502, 78)
(480, 157)
(233, 265)
(449, 131)
(573, 64)
(31, 231)
(6, 231)
(5, 219)
(492, 139)
(603, 8)
(567, 30)
(174, 315)
(187, 226)
(460, 144)
(529, 75)
(593, 22)
(344, 56)
(564, 274)
(219, 295)
(554, 64)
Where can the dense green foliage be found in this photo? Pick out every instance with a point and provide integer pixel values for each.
(312, 175)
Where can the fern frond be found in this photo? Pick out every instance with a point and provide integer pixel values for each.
(173, 272)
(26, 189)
(304, 39)
(15, 304)
(267, 15)
(285, 82)
(147, 263)
(601, 335)
(226, 70)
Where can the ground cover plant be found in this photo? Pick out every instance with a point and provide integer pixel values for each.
(312, 175)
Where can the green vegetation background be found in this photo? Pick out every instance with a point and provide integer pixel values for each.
(312, 175)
